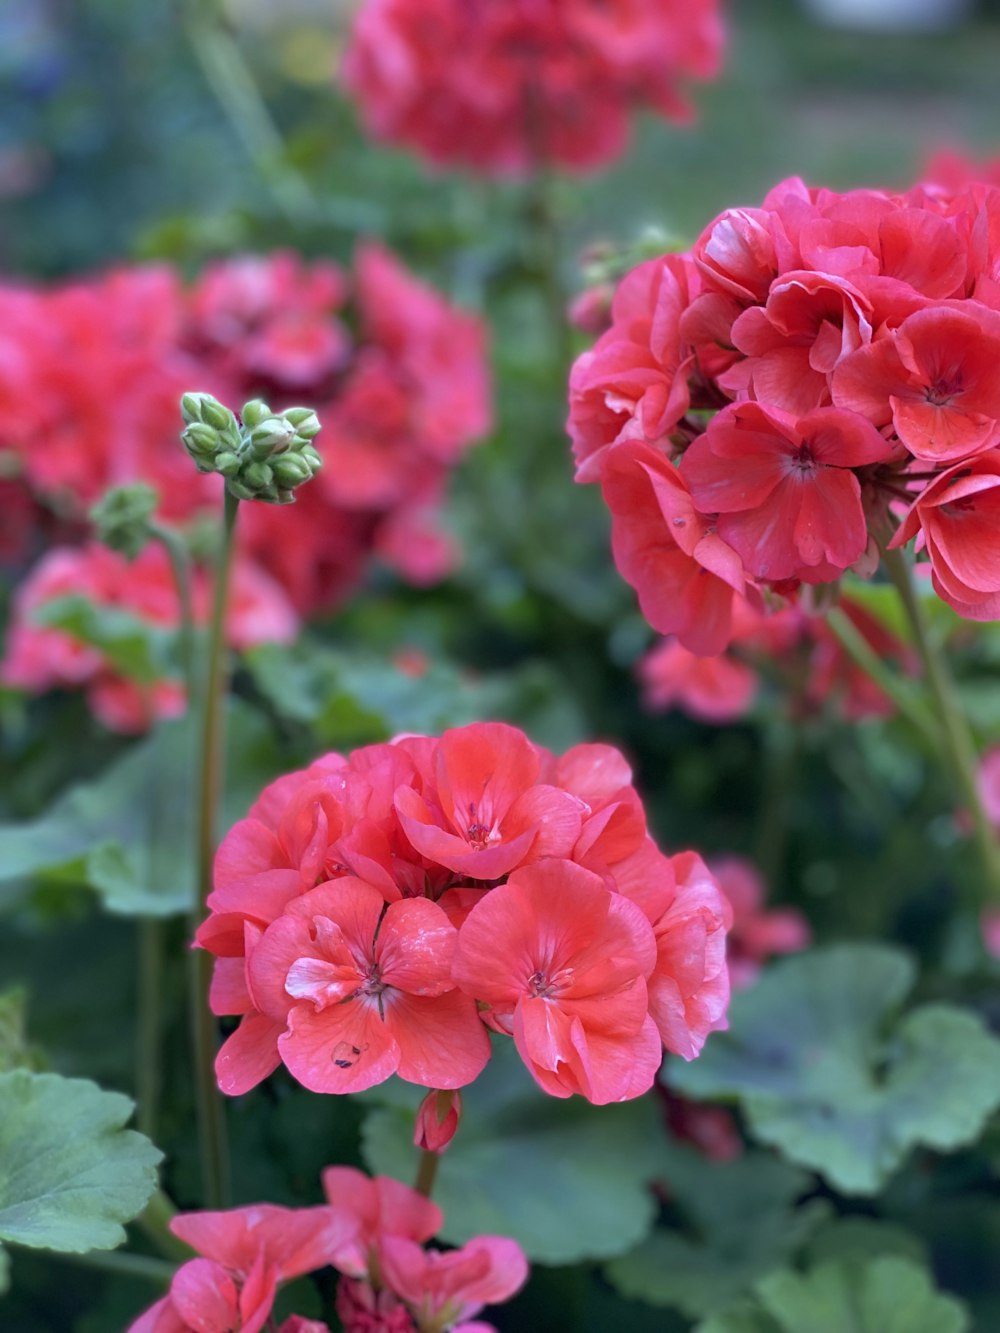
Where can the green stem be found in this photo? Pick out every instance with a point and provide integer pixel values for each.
(149, 1023)
(154, 1223)
(157, 1271)
(958, 746)
(236, 91)
(211, 1118)
(180, 567)
(427, 1172)
(864, 655)
(774, 818)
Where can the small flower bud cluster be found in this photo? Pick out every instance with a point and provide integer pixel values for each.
(122, 518)
(266, 458)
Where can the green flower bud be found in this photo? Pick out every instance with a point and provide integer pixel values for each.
(272, 436)
(291, 470)
(122, 518)
(258, 476)
(227, 463)
(305, 421)
(203, 408)
(254, 412)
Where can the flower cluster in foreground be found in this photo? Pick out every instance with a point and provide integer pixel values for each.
(378, 914)
(765, 408)
(540, 82)
(91, 373)
(372, 1231)
(40, 656)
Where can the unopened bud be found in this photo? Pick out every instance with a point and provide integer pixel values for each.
(291, 470)
(203, 408)
(254, 412)
(305, 421)
(258, 476)
(272, 436)
(227, 463)
(437, 1119)
(122, 518)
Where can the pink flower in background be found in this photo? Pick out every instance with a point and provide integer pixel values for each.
(38, 658)
(96, 368)
(445, 1289)
(713, 689)
(756, 933)
(540, 82)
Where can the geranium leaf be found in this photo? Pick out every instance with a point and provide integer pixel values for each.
(827, 1071)
(70, 1175)
(741, 1223)
(884, 1295)
(569, 1181)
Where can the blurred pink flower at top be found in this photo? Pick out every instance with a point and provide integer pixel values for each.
(756, 933)
(38, 658)
(247, 1253)
(513, 87)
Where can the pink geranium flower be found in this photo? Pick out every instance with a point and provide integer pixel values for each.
(358, 991)
(784, 489)
(562, 962)
(685, 574)
(489, 812)
(933, 379)
(380, 1207)
(756, 933)
(247, 1253)
(445, 1289)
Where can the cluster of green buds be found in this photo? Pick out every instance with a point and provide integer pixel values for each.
(264, 455)
(123, 517)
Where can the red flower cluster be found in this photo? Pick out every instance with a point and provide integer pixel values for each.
(91, 374)
(847, 344)
(40, 658)
(797, 649)
(539, 82)
(374, 915)
(371, 1231)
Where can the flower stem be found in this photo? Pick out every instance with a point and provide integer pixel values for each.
(957, 744)
(180, 567)
(546, 246)
(211, 1118)
(864, 655)
(427, 1172)
(149, 1023)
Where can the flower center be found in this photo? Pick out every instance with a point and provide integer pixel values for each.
(539, 986)
(480, 835)
(803, 461)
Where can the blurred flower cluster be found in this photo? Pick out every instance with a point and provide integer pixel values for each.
(539, 83)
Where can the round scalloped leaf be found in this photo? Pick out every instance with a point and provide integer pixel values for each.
(884, 1295)
(828, 1073)
(70, 1175)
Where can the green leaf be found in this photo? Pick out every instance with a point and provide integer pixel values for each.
(568, 1180)
(133, 647)
(70, 1175)
(827, 1072)
(355, 698)
(856, 1239)
(741, 1223)
(129, 833)
(884, 1295)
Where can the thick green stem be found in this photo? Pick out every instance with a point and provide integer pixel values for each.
(957, 745)
(211, 1118)
(154, 1223)
(427, 1172)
